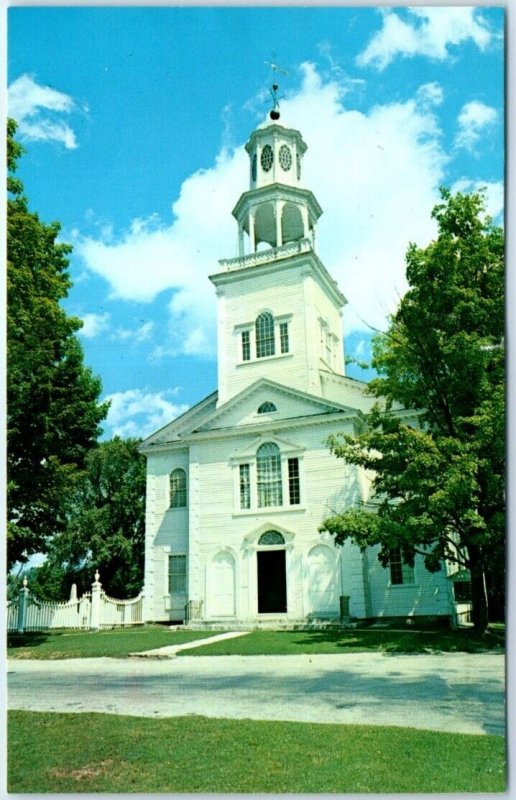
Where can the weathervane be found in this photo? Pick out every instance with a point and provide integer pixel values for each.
(274, 112)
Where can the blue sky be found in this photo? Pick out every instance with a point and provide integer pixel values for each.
(134, 121)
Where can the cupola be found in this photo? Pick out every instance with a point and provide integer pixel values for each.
(277, 209)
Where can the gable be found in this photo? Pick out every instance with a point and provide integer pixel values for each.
(264, 404)
(174, 430)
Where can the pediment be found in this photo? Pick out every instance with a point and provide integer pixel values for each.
(175, 430)
(247, 408)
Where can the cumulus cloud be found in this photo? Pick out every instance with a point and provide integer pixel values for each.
(93, 324)
(473, 121)
(429, 31)
(376, 175)
(38, 111)
(139, 413)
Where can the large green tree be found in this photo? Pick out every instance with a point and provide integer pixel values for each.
(53, 409)
(105, 528)
(435, 440)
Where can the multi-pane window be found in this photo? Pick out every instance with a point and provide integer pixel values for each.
(268, 474)
(245, 486)
(266, 408)
(401, 572)
(283, 328)
(266, 481)
(294, 495)
(264, 328)
(246, 346)
(177, 574)
(178, 489)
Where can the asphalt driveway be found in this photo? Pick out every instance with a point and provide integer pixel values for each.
(454, 692)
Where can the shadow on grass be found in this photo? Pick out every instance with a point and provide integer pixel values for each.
(30, 639)
(407, 641)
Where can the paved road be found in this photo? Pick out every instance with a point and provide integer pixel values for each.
(449, 692)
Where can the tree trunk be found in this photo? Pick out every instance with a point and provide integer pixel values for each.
(479, 611)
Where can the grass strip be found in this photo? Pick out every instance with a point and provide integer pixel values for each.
(74, 753)
(93, 644)
(356, 640)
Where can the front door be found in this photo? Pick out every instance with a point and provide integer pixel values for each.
(272, 582)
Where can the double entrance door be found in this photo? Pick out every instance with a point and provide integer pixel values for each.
(272, 582)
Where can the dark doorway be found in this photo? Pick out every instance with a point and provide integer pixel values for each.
(272, 582)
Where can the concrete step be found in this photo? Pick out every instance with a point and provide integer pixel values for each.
(269, 624)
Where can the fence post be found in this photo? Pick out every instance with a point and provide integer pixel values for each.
(95, 602)
(23, 602)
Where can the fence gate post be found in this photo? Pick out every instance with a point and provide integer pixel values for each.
(22, 607)
(95, 602)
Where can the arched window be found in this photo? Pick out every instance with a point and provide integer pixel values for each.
(266, 408)
(178, 489)
(264, 335)
(268, 472)
(271, 537)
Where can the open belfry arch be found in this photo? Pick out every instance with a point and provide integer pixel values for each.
(239, 485)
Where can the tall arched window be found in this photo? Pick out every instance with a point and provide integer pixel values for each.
(264, 335)
(268, 473)
(178, 489)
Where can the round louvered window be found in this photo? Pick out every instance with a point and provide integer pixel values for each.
(267, 157)
(285, 157)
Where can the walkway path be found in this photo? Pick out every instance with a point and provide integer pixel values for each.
(447, 692)
(171, 649)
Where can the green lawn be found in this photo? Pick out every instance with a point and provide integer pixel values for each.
(104, 753)
(354, 641)
(120, 642)
(89, 644)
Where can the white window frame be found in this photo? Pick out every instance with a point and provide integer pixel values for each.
(170, 556)
(403, 564)
(185, 505)
(250, 328)
(287, 451)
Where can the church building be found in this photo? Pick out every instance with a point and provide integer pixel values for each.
(238, 485)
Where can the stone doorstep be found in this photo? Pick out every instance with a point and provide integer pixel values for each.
(171, 649)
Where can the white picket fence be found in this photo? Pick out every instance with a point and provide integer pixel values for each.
(93, 610)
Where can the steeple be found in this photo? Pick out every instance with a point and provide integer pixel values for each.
(279, 310)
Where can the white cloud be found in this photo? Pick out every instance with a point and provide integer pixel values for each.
(37, 111)
(141, 334)
(376, 175)
(475, 117)
(493, 192)
(137, 413)
(429, 31)
(430, 93)
(93, 324)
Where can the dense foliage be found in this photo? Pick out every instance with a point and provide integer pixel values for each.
(53, 409)
(105, 528)
(435, 439)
